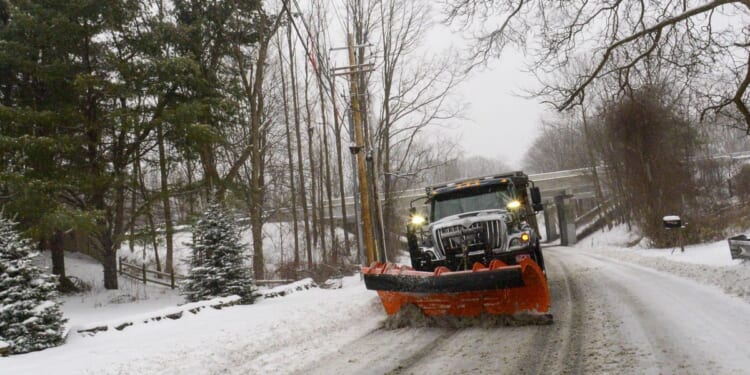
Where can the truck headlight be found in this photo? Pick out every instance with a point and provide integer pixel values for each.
(525, 237)
(512, 205)
(418, 220)
(519, 242)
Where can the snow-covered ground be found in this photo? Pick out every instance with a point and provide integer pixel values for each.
(99, 304)
(711, 254)
(617, 310)
(265, 337)
(709, 263)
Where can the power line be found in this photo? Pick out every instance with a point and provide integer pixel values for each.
(323, 61)
(304, 45)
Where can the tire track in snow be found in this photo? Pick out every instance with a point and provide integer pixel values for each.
(531, 349)
(557, 348)
(609, 317)
(381, 352)
(687, 328)
(405, 364)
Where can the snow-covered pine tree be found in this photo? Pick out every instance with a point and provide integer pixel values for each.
(217, 263)
(30, 316)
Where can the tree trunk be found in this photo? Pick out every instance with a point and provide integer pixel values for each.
(58, 254)
(340, 167)
(321, 224)
(150, 218)
(114, 227)
(311, 157)
(210, 173)
(133, 203)
(303, 194)
(290, 161)
(109, 262)
(190, 195)
(257, 158)
(58, 262)
(165, 201)
(327, 161)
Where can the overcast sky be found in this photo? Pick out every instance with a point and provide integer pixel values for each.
(500, 123)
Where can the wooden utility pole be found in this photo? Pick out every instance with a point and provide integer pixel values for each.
(360, 152)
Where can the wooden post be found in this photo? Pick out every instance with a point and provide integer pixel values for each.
(364, 193)
(120, 265)
(171, 277)
(143, 268)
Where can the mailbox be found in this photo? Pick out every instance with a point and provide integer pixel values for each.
(672, 222)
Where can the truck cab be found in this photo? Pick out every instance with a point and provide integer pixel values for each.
(477, 220)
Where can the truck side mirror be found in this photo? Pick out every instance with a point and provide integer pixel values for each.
(536, 196)
(536, 199)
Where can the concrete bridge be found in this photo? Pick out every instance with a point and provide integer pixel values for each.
(571, 209)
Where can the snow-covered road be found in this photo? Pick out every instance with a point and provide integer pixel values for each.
(610, 317)
(613, 313)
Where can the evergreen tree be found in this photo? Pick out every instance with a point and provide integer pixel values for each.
(71, 121)
(218, 268)
(30, 318)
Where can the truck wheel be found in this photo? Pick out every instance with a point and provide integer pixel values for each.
(415, 260)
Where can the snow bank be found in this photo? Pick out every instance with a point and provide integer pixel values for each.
(709, 263)
(173, 313)
(287, 289)
(274, 336)
(713, 254)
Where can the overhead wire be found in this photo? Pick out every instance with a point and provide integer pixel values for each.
(285, 4)
(323, 61)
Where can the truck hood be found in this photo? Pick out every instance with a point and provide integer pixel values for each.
(468, 218)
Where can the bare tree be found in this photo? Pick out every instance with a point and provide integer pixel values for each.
(650, 157)
(560, 146)
(290, 157)
(300, 164)
(415, 89)
(251, 66)
(706, 42)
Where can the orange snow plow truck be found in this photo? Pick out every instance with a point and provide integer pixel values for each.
(477, 252)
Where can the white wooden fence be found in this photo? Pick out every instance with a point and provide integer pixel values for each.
(142, 273)
(170, 279)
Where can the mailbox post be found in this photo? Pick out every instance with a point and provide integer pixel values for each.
(674, 222)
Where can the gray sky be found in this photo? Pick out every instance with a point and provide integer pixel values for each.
(500, 123)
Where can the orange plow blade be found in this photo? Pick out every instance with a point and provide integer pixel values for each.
(496, 290)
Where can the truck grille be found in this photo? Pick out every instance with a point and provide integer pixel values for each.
(477, 236)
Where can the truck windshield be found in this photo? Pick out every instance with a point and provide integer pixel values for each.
(474, 199)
